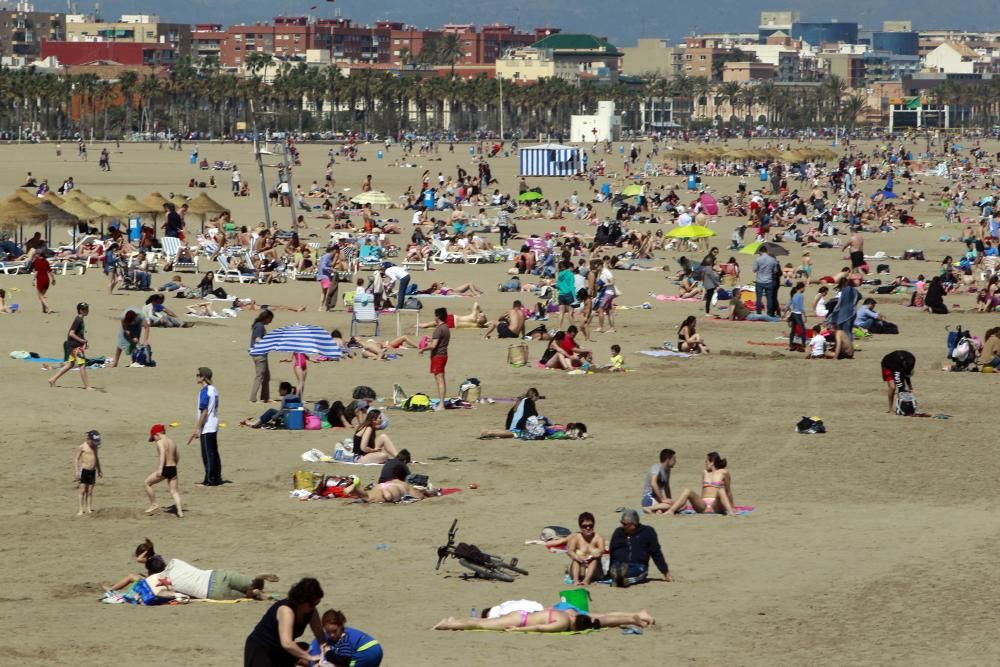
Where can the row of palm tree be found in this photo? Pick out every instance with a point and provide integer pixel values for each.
(294, 97)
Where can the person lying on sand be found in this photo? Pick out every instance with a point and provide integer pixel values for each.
(393, 491)
(552, 620)
(474, 320)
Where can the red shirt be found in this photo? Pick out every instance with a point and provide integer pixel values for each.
(568, 344)
(42, 270)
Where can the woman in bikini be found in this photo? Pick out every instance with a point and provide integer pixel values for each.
(392, 491)
(552, 620)
(716, 491)
(301, 367)
(370, 445)
(688, 340)
(585, 550)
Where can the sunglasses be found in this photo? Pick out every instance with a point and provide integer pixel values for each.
(586, 525)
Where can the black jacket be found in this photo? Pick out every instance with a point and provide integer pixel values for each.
(638, 548)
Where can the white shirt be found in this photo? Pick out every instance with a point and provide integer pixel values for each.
(416, 217)
(236, 177)
(208, 399)
(684, 219)
(188, 579)
(818, 345)
(608, 278)
(396, 273)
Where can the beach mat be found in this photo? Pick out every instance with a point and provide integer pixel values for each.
(665, 353)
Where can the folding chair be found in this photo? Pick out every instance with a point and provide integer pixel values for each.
(364, 313)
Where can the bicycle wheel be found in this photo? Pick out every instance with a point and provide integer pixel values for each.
(487, 573)
(514, 568)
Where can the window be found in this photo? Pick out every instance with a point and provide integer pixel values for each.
(701, 57)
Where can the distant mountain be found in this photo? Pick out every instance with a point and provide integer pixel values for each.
(622, 22)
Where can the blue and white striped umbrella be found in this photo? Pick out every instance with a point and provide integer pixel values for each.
(302, 338)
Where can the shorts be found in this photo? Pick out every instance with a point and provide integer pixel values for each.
(325, 283)
(606, 301)
(503, 331)
(437, 365)
(450, 321)
(88, 476)
(647, 500)
(857, 259)
(888, 375)
(566, 299)
(169, 472)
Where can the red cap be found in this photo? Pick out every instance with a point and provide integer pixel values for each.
(157, 428)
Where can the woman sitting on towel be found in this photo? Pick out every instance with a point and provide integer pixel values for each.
(716, 491)
(688, 339)
(371, 446)
(556, 357)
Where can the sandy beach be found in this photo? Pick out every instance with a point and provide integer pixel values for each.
(868, 545)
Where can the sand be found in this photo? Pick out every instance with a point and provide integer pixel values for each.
(869, 545)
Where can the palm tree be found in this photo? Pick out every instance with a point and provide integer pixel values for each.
(449, 50)
(127, 82)
(853, 107)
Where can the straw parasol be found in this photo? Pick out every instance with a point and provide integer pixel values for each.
(374, 197)
(129, 205)
(27, 196)
(77, 208)
(180, 200)
(15, 211)
(78, 194)
(57, 215)
(204, 205)
(155, 200)
(53, 198)
(106, 209)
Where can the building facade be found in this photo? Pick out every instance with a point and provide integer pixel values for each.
(652, 56)
(130, 29)
(22, 30)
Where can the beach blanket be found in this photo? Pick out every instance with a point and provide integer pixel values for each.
(225, 314)
(96, 362)
(665, 353)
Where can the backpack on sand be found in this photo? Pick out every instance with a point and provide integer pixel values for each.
(417, 403)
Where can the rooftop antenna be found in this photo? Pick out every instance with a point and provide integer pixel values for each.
(97, 11)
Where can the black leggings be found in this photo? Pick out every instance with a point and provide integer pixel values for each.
(709, 293)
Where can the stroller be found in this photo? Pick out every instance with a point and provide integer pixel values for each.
(482, 564)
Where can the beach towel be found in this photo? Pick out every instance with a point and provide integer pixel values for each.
(225, 314)
(665, 353)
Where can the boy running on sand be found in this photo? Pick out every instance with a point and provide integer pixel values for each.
(166, 469)
(88, 469)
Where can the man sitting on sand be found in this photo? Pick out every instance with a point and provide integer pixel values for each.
(632, 546)
(509, 325)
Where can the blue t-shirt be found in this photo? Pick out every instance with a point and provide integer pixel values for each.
(323, 270)
(797, 304)
(352, 640)
(565, 282)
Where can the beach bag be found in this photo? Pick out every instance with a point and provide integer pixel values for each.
(303, 479)
(471, 393)
(534, 428)
(313, 422)
(143, 594)
(418, 480)
(882, 268)
(577, 598)
(517, 354)
(554, 533)
(413, 303)
(953, 338)
(906, 403)
(810, 426)
(417, 403)
(143, 355)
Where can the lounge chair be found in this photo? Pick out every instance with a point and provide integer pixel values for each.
(227, 273)
(171, 247)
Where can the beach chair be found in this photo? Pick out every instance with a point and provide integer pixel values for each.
(13, 268)
(227, 273)
(441, 255)
(416, 265)
(369, 258)
(364, 313)
(171, 248)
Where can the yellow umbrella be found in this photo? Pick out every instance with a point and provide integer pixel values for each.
(631, 190)
(129, 205)
(690, 232)
(205, 205)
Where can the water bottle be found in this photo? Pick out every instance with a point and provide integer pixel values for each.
(568, 580)
(382, 547)
(474, 613)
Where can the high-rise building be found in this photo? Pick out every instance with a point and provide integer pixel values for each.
(22, 30)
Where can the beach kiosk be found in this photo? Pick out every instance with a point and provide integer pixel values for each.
(550, 160)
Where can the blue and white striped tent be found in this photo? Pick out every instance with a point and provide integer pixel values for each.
(550, 160)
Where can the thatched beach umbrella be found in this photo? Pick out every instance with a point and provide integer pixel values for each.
(156, 200)
(80, 210)
(129, 205)
(78, 194)
(106, 209)
(15, 212)
(53, 198)
(205, 205)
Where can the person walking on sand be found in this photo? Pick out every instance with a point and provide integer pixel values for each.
(327, 279)
(207, 428)
(88, 469)
(167, 459)
(43, 278)
(262, 372)
(438, 345)
(74, 349)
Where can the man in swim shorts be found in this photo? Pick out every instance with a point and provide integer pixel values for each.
(438, 345)
(508, 325)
